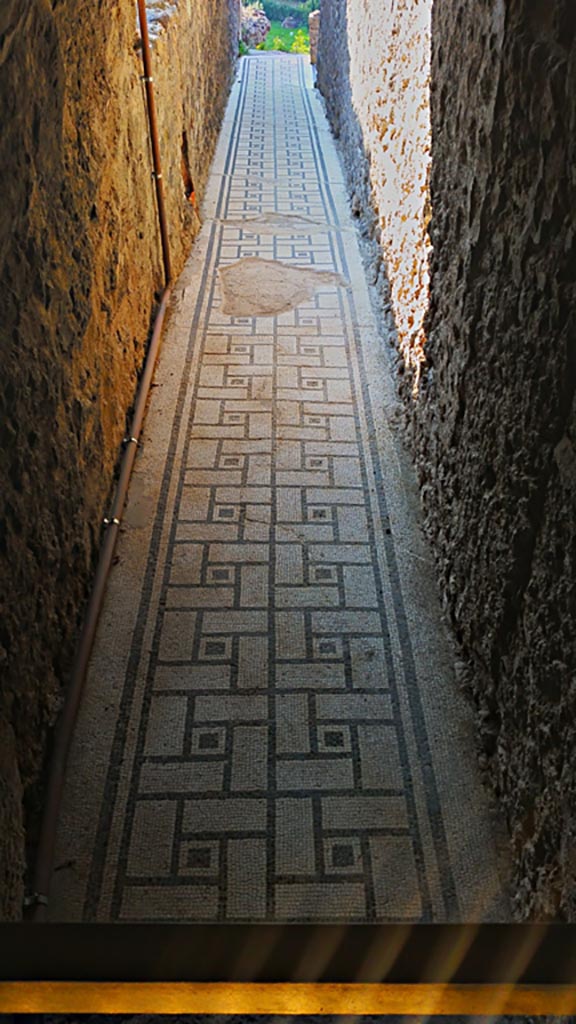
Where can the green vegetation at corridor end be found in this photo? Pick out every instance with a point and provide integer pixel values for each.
(288, 40)
(294, 38)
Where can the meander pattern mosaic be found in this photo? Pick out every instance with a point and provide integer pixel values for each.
(270, 776)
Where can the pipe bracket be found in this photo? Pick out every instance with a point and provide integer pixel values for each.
(147, 78)
(111, 522)
(130, 440)
(35, 899)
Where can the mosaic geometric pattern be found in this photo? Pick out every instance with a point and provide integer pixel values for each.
(269, 774)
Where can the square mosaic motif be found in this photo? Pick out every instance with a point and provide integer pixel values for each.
(271, 777)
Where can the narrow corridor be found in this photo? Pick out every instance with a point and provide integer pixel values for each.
(272, 729)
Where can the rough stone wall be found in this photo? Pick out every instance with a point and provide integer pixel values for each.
(373, 70)
(496, 426)
(314, 31)
(80, 270)
(494, 423)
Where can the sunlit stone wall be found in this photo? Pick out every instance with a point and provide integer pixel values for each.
(374, 71)
(81, 274)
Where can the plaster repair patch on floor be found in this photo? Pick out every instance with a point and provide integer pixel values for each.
(271, 222)
(256, 287)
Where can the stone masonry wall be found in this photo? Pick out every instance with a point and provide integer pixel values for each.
(494, 422)
(373, 70)
(81, 273)
(496, 426)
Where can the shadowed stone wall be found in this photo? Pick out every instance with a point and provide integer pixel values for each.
(494, 423)
(81, 272)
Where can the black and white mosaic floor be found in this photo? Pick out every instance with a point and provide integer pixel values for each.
(272, 729)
